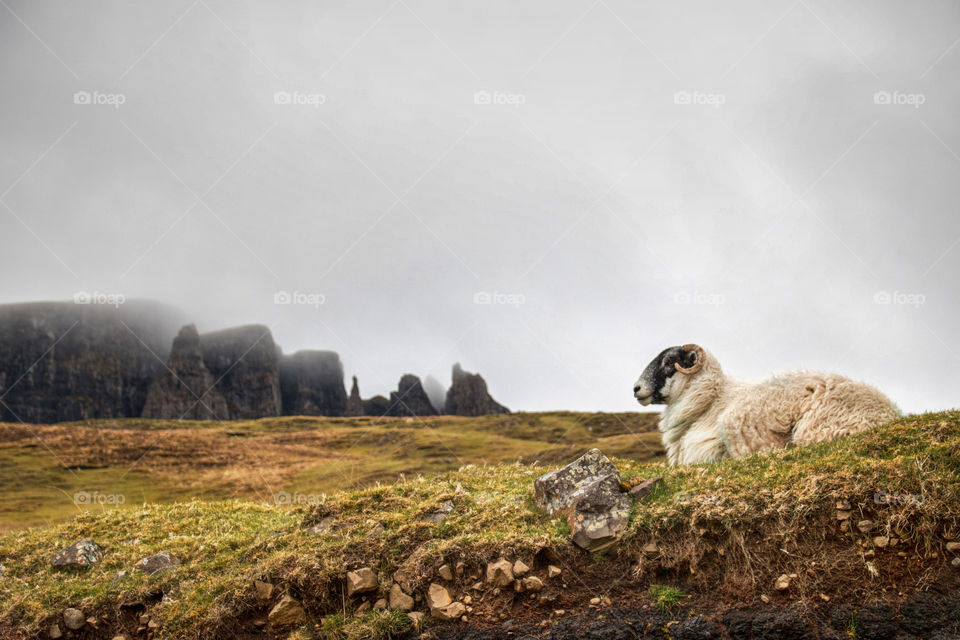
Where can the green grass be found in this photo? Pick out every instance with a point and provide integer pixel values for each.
(770, 514)
(665, 597)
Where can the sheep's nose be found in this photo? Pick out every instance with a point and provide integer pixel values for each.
(636, 388)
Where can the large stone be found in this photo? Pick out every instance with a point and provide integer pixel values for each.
(187, 389)
(63, 361)
(556, 491)
(599, 514)
(438, 596)
(73, 619)
(80, 554)
(361, 581)
(500, 573)
(468, 396)
(354, 402)
(287, 613)
(246, 362)
(311, 384)
(450, 612)
(410, 399)
(158, 563)
(399, 599)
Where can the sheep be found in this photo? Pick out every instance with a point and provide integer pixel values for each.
(709, 417)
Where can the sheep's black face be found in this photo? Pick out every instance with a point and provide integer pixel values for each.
(652, 385)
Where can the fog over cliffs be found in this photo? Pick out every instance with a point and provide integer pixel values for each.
(63, 361)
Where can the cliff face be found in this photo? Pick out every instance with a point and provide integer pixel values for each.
(64, 361)
(410, 399)
(187, 390)
(311, 384)
(354, 402)
(246, 363)
(468, 396)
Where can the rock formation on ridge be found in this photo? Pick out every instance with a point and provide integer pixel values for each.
(187, 389)
(468, 396)
(410, 399)
(311, 384)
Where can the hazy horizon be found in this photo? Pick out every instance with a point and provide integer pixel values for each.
(548, 193)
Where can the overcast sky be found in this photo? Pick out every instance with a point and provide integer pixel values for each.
(547, 192)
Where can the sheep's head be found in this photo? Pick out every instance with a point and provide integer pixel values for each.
(666, 374)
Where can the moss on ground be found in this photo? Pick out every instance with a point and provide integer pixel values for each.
(905, 476)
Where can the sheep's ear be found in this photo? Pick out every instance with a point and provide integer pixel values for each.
(689, 358)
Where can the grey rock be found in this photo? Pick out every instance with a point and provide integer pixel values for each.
(555, 491)
(78, 555)
(354, 402)
(73, 619)
(468, 396)
(159, 562)
(645, 488)
(311, 384)
(441, 514)
(410, 399)
(599, 514)
(246, 362)
(376, 406)
(63, 361)
(186, 390)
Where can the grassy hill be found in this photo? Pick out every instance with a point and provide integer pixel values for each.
(43, 468)
(710, 542)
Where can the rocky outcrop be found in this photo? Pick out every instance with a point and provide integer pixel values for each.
(354, 402)
(376, 406)
(311, 384)
(410, 399)
(245, 362)
(65, 361)
(187, 389)
(468, 396)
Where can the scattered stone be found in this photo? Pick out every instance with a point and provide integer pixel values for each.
(500, 573)
(518, 586)
(416, 617)
(54, 631)
(361, 581)
(599, 514)
(477, 586)
(73, 619)
(442, 513)
(380, 604)
(956, 563)
(327, 524)
(594, 601)
(533, 583)
(765, 598)
(554, 491)
(122, 636)
(452, 611)
(843, 515)
(825, 597)
(650, 548)
(159, 562)
(869, 553)
(265, 590)
(82, 553)
(782, 583)
(520, 568)
(445, 572)
(953, 546)
(865, 525)
(461, 567)
(438, 597)
(645, 488)
(93, 622)
(553, 572)
(287, 613)
(844, 526)
(843, 505)
(881, 542)
(467, 600)
(363, 606)
(399, 599)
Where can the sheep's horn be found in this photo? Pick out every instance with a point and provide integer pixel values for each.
(697, 364)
